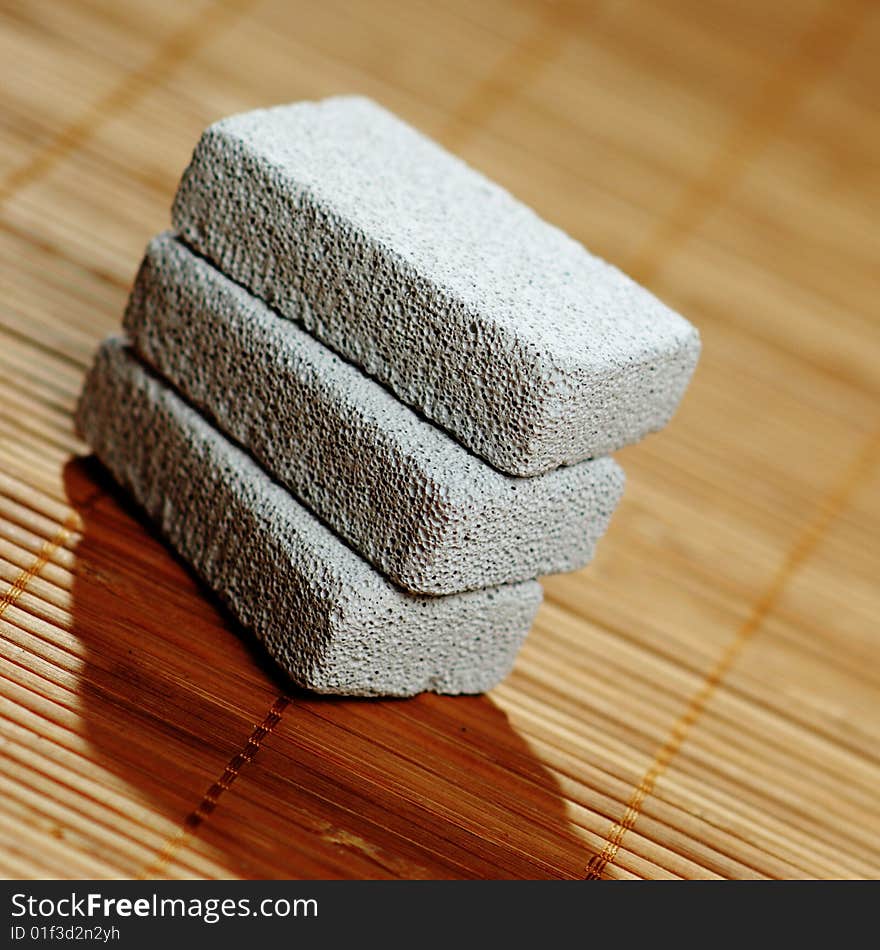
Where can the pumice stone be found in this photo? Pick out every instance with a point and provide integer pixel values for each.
(493, 323)
(410, 499)
(331, 621)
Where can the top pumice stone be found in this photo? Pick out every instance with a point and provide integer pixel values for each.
(499, 327)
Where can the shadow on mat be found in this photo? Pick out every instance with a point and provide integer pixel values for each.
(172, 688)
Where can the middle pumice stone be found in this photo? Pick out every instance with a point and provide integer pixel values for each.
(409, 498)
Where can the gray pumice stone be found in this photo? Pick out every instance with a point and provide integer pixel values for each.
(424, 510)
(327, 617)
(493, 323)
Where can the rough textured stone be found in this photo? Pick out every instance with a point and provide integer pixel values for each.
(423, 509)
(493, 323)
(327, 617)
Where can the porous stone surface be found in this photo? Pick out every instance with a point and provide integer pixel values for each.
(333, 622)
(493, 323)
(408, 497)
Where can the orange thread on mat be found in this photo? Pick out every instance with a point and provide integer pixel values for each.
(197, 30)
(829, 508)
(212, 796)
(44, 555)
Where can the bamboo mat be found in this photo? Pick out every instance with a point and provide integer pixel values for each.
(704, 699)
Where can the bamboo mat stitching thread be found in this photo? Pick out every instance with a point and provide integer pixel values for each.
(829, 508)
(197, 31)
(71, 524)
(212, 796)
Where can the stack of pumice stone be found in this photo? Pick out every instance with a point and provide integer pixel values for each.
(369, 397)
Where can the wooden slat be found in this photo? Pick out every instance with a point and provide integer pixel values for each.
(701, 701)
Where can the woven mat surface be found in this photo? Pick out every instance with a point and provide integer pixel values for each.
(704, 699)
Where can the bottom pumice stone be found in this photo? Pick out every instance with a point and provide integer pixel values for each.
(328, 618)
